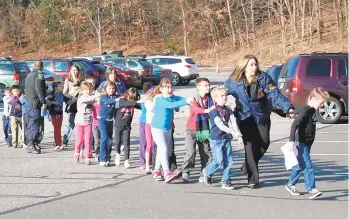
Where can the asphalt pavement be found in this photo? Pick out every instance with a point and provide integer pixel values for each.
(52, 185)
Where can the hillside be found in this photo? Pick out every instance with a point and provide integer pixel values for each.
(272, 41)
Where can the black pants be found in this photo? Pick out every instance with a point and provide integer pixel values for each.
(172, 159)
(123, 134)
(256, 142)
(96, 139)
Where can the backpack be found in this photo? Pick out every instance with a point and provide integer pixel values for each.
(16, 107)
(53, 108)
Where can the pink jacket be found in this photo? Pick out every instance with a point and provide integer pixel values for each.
(95, 113)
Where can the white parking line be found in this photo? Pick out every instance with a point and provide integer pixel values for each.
(329, 154)
(284, 142)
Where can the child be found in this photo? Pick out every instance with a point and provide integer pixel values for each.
(23, 100)
(221, 118)
(161, 127)
(83, 121)
(6, 123)
(95, 129)
(123, 120)
(55, 102)
(305, 126)
(197, 130)
(90, 80)
(142, 133)
(16, 116)
(105, 122)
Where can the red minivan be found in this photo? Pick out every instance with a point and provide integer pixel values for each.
(302, 73)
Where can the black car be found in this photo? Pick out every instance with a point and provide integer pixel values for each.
(87, 68)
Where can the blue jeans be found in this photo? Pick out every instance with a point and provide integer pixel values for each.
(305, 166)
(6, 125)
(222, 154)
(70, 128)
(106, 130)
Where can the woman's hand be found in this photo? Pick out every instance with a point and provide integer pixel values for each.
(291, 114)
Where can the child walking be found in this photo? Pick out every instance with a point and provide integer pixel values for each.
(16, 117)
(6, 122)
(55, 102)
(142, 132)
(305, 127)
(105, 122)
(123, 120)
(95, 128)
(23, 100)
(222, 118)
(198, 129)
(161, 127)
(83, 122)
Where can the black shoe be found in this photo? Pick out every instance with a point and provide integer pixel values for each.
(35, 149)
(251, 186)
(30, 145)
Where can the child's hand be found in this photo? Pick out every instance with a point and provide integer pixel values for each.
(190, 100)
(210, 109)
(240, 140)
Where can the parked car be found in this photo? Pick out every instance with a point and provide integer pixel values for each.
(142, 66)
(274, 72)
(301, 73)
(183, 68)
(50, 77)
(87, 68)
(100, 68)
(129, 77)
(161, 73)
(12, 73)
(59, 66)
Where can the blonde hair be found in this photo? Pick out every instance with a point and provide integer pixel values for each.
(319, 92)
(86, 86)
(217, 90)
(107, 84)
(239, 71)
(153, 93)
(131, 94)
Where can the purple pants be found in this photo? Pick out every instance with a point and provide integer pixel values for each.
(142, 144)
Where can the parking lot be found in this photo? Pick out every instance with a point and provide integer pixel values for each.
(52, 185)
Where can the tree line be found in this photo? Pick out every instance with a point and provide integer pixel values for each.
(178, 23)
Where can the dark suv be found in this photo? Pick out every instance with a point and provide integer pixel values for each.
(61, 67)
(301, 73)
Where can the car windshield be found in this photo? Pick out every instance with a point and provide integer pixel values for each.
(145, 63)
(122, 68)
(115, 61)
(289, 69)
(156, 67)
(6, 67)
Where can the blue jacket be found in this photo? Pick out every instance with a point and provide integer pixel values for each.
(120, 87)
(107, 107)
(258, 105)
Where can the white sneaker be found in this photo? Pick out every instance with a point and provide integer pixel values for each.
(103, 164)
(314, 193)
(24, 145)
(122, 148)
(117, 159)
(57, 147)
(62, 147)
(87, 161)
(107, 163)
(127, 164)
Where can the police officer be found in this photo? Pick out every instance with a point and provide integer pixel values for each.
(35, 89)
(253, 91)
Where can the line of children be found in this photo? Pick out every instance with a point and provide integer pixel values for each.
(6, 123)
(16, 117)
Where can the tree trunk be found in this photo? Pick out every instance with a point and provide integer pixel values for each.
(185, 35)
(246, 21)
(319, 22)
(99, 28)
(231, 24)
(303, 18)
(252, 20)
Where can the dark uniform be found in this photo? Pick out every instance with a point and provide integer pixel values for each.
(35, 92)
(253, 108)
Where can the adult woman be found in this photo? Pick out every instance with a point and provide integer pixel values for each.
(111, 76)
(71, 92)
(254, 91)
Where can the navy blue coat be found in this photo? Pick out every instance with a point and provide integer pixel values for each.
(258, 105)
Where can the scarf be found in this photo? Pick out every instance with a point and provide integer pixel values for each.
(202, 120)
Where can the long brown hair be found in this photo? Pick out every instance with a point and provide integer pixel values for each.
(131, 94)
(70, 76)
(111, 70)
(107, 84)
(239, 71)
(153, 93)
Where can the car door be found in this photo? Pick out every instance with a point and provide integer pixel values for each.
(342, 79)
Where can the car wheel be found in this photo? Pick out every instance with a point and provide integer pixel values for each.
(330, 112)
(176, 79)
(186, 82)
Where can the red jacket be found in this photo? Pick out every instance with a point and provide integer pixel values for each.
(194, 109)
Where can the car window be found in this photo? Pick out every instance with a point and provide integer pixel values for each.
(116, 61)
(47, 65)
(21, 67)
(190, 61)
(132, 64)
(87, 66)
(290, 67)
(343, 68)
(171, 61)
(60, 66)
(145, 63)
(6, 67)
(159, 61)
(319, 68)
(30, 64)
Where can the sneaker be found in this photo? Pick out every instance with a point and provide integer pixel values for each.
(107, 163)
(170, 176)
(76, 157)
(251, 186)
(57, 147)
(97, 158)
(158, 176)
(207, 179)
(201, 179)
(127, 164)
(314, 193)
(61, 147)
(142, 167)
(35, 149)
(103, 164)
(147, 171)
(227, 186)
(292, 189)
(24, 145)
(87, 161)
(122, 148)
(117, 159)
(185, 177)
